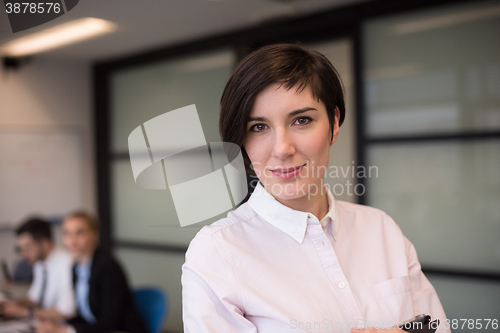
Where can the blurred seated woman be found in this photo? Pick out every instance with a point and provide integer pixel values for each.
(104, 300)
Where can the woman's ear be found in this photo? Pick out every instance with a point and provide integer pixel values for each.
(335, 126)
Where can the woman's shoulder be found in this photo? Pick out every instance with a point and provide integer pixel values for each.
(232, 222)
(354, 208)
(369, 222)
(105, 263)
(232, 229)
(365, 215)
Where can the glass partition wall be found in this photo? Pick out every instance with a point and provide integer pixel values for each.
(432, 119)
(140, 94)
(145, 217)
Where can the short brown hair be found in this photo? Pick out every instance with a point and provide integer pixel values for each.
(91, 220)
(287, 64)
(36, 227)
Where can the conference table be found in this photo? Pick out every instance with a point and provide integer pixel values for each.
(14, 291)
(16, 326)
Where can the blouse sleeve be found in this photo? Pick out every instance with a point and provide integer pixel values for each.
(425, 298)
(211, 296)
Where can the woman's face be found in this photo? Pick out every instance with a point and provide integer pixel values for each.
(288, 141)
(78, 238)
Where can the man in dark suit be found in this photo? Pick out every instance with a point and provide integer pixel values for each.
(104, 300)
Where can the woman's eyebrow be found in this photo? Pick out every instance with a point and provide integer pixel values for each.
(256, 119)
(290, 114)
(299, 111)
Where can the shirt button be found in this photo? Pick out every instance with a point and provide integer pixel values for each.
(341, 285)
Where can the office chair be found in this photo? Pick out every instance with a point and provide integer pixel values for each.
(152, 305)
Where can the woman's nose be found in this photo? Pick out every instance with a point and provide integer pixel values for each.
(283, 145)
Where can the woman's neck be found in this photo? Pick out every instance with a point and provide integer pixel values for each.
(316, 204)
(86, 257)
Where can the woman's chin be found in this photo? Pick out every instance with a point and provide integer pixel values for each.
(291, 190)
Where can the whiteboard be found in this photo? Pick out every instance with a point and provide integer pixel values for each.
(40, 172)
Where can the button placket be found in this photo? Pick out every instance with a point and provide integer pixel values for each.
(336, 275)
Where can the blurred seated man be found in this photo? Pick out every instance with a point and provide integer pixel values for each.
(51, 292)
(104, 300)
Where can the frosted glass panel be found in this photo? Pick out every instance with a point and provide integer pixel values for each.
(142, 93)
(146, 215)
(468, 299)
(145, 92)
(445, 197)
(435, 71)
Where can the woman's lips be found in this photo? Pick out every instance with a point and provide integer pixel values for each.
(282, 173)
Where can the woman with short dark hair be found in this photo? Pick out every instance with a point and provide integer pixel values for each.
(290, 64)
(292, 258)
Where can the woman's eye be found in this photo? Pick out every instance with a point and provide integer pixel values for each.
(257, 127)
(302, 120)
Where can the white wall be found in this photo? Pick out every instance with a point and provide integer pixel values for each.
(48, 93)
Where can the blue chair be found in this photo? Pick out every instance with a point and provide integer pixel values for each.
(152, 305)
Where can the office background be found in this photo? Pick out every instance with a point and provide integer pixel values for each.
(422, 83)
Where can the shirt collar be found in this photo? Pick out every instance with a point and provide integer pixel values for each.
(84, 267)
(49, 258)
(290, 221)
(332, 214)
